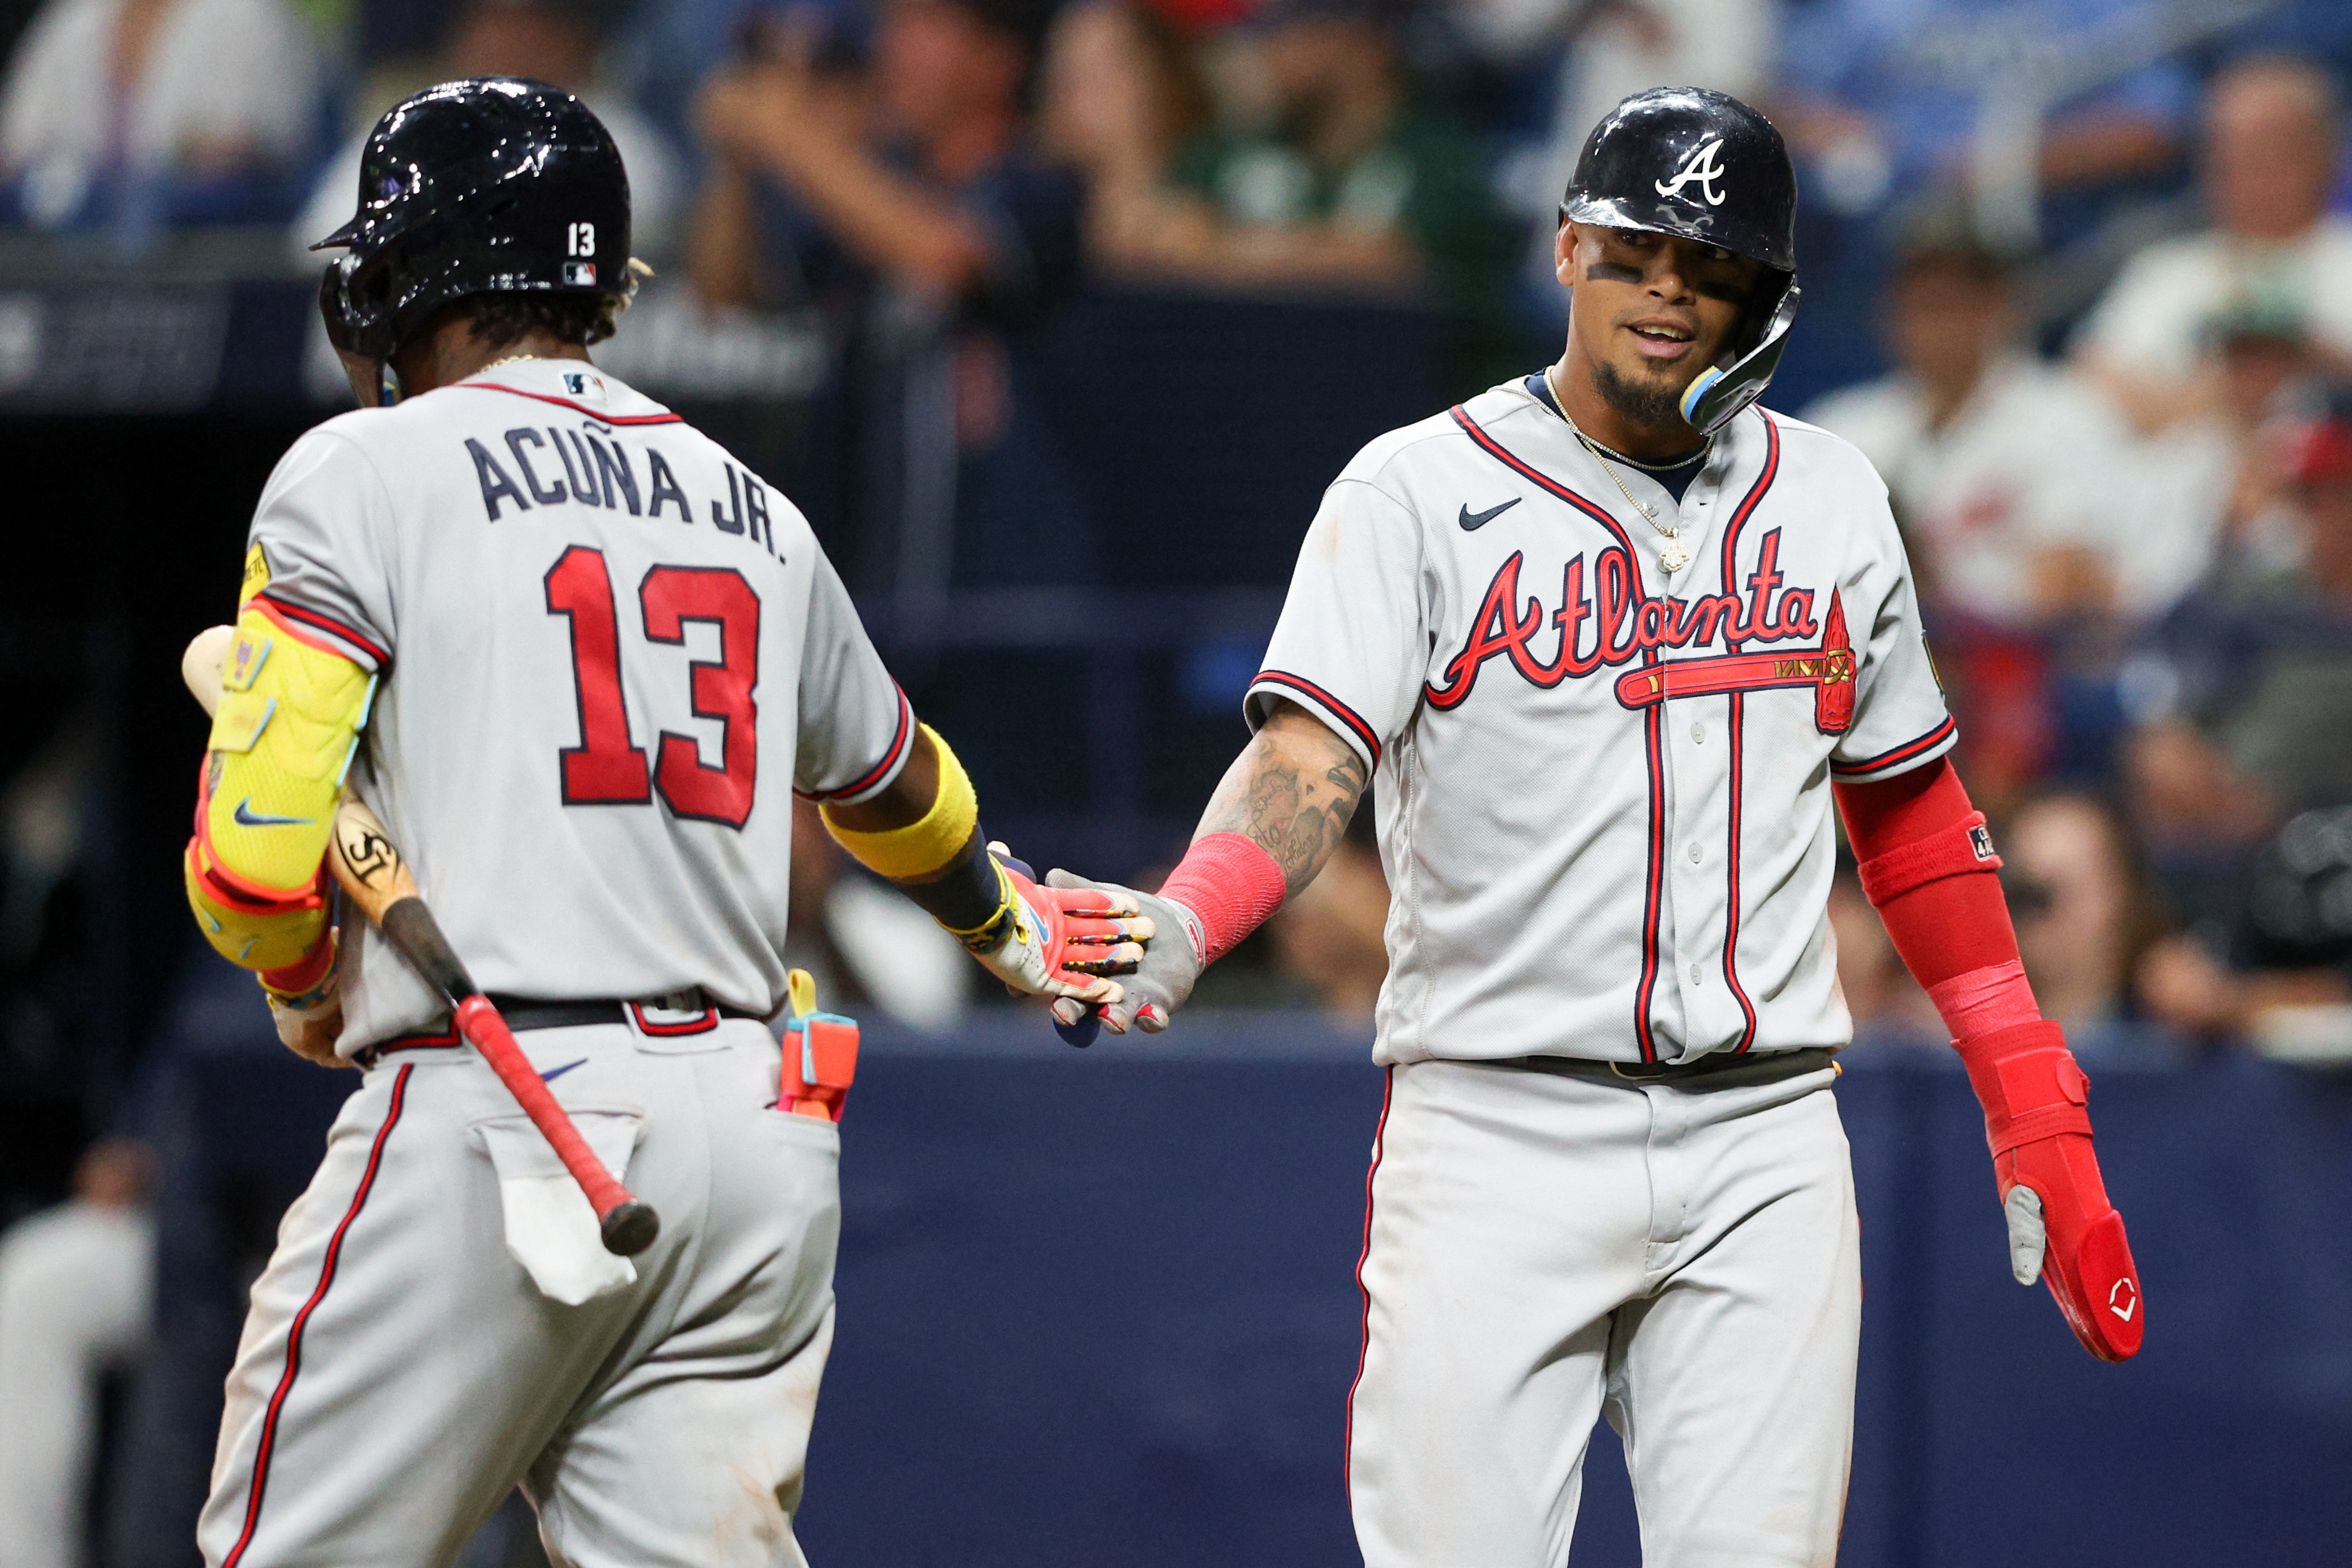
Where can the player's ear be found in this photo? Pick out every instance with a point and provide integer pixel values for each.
(1563, 255)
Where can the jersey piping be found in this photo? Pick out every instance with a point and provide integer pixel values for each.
(600, 415)
(1910, 751)
(264, 1450)
(317, 622)
(1738, 718)
(1653, 730)
(1364, 1345)
(1324, 699)
(873, 777)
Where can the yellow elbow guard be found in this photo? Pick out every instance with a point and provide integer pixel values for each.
(921, 848)
(264, 936)
(282, 739)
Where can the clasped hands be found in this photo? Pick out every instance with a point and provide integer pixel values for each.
(1083, 939)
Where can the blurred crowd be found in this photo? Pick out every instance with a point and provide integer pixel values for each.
(2078, 280)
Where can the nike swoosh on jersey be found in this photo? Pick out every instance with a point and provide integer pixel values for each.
(248, 817)
(1472, 522)
(551, 1074)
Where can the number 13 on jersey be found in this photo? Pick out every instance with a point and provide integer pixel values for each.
(604, 769)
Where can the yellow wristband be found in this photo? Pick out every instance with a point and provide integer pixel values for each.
(924, 847)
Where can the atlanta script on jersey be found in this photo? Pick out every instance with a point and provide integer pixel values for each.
(611, 653)
(1569, 745)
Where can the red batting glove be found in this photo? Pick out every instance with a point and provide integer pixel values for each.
(2060, 1226)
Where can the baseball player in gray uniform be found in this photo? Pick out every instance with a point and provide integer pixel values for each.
(577, 658)
(1611, 638)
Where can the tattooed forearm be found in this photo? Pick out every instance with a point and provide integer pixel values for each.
(1291, 791)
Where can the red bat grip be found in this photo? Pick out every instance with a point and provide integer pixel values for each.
(627, 1225)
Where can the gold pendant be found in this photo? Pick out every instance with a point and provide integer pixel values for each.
(1673, 556)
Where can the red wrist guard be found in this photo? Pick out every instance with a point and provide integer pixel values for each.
(2029, 1084)
(1230, 885)
(2037, 1126)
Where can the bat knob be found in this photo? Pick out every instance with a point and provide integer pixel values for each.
(1082, 1033)
(630, 1228)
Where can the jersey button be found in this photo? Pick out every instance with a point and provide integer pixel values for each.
(1694, 854)
(1698, 734)
(1699, 974)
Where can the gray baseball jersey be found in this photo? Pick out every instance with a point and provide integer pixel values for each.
(609, 654)
(1604, 785)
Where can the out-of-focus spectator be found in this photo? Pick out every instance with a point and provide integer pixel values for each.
(2009, 474)
(1617, 48)
(553, 41)
(865, 945)
(907, 205)
(2273, 136)
(2206, 495)
(2086, 916)
(1345, 180)
(1120, 96)
(922, 174)
(1887, 1004)
(2247, 707)
(157, 110)
(76, 1291)
(2261, 661)
(1331, 936)
(1883, 98)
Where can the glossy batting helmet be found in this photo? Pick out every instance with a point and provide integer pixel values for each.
(493, 185)
(1692, 162)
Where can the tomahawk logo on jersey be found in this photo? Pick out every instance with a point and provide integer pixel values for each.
(550, 557)
(1595, 726)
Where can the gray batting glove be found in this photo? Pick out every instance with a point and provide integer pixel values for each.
(1160, 983)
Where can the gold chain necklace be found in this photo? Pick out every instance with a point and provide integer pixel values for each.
(1674, 555)
(510, 359)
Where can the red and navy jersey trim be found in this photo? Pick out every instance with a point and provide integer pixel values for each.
(1653, 730)
(266, 1449)
(314, 621)
(1907, 751)
(1510, 460)
(598, 414)
(1738, 779)
(880, 771)
(1364, 1345)
(1322, 699)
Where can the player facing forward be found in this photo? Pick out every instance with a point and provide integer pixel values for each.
(578, 659)
(1611, 638)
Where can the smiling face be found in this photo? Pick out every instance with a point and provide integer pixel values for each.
(1650, 311)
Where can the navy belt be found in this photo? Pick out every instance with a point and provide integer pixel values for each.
(523, 1013)
(1812, 1059)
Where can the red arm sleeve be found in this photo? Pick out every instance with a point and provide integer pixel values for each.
(1928, 864)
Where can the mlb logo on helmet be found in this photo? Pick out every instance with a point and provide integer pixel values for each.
(580, 274)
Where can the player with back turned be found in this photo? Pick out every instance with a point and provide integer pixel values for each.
(1613, 638)
(578, 659)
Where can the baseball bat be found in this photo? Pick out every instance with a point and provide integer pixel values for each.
(368, 867)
